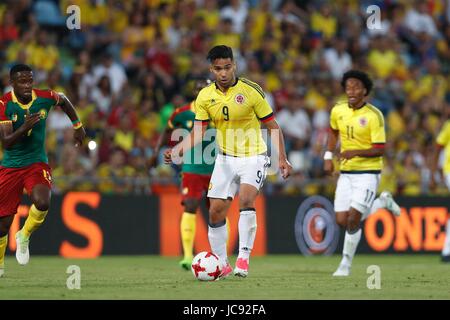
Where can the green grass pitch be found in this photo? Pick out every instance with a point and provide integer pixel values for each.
(287, 277)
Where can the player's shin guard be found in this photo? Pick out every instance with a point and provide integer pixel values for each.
(351, 242)
(218, 236)
(3, 244)
(446, 248)
(187, 227)
(247, 232)
(34, 220)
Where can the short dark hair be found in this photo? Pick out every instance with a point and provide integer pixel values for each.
(220, 52)
(18, 68)
(361, 76)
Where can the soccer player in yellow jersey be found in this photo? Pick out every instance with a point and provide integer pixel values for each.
(236, 106)
(360, 128)
(443, 142)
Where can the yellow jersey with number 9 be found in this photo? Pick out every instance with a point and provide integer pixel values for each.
(359, 129)
(236, 115)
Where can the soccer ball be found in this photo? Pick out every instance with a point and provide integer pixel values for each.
(206, 266)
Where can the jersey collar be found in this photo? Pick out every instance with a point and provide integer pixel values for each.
(365, 104)
(24, 106)
(234, 84)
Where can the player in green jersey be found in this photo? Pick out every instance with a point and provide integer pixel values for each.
(23, 115)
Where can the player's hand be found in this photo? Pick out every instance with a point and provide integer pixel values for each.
(348, 154)
(328, 167)
(31, 120)
(286, 168)
(168, 156)
(153, 160)
(433, 183)
(79, 135)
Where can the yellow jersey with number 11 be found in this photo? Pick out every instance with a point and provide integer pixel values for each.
(359, 129)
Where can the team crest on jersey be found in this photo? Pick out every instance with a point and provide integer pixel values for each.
(189, 124)
(185, 191)
(363, 122)
(14, 117)
(239, 98)
(43, 113)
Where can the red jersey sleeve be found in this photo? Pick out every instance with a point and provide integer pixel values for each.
(48, 94)
(3, 116)
(55, 96)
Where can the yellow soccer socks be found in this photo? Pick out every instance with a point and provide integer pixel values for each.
(3, 244)
(187, 226)
(35, 219)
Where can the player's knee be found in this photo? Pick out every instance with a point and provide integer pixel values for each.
(191, 205)
(341, 221)
(3, 232)
(247, 201)
(215, 219)
(353, 223)
(216, 214)
(4, 229)
(42, 204)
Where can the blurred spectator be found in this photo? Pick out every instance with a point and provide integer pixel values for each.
(116, 175)
(337, 58)
(417, 19)
(288, 13)
(58, 122)
(295, 123)
(324, 22)
(209, 12)
(226, 35)
(113, 70)
(43, 54)
(48, 14)
(124, 135)
(237, 12)
(266, 55)
(9, 31)
(382, 59)
(102, 95)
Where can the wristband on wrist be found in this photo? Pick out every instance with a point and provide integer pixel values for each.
(77, 124)
(328, 155)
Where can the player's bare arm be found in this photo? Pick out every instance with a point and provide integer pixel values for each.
(377, 151)
(333, 136)
(10, 137)
(195, 137)
(159, 144)
(79, 133)
(285, 166)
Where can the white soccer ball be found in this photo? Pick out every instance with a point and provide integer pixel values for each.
(206, 266)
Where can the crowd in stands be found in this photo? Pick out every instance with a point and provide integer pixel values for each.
(132, 62)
